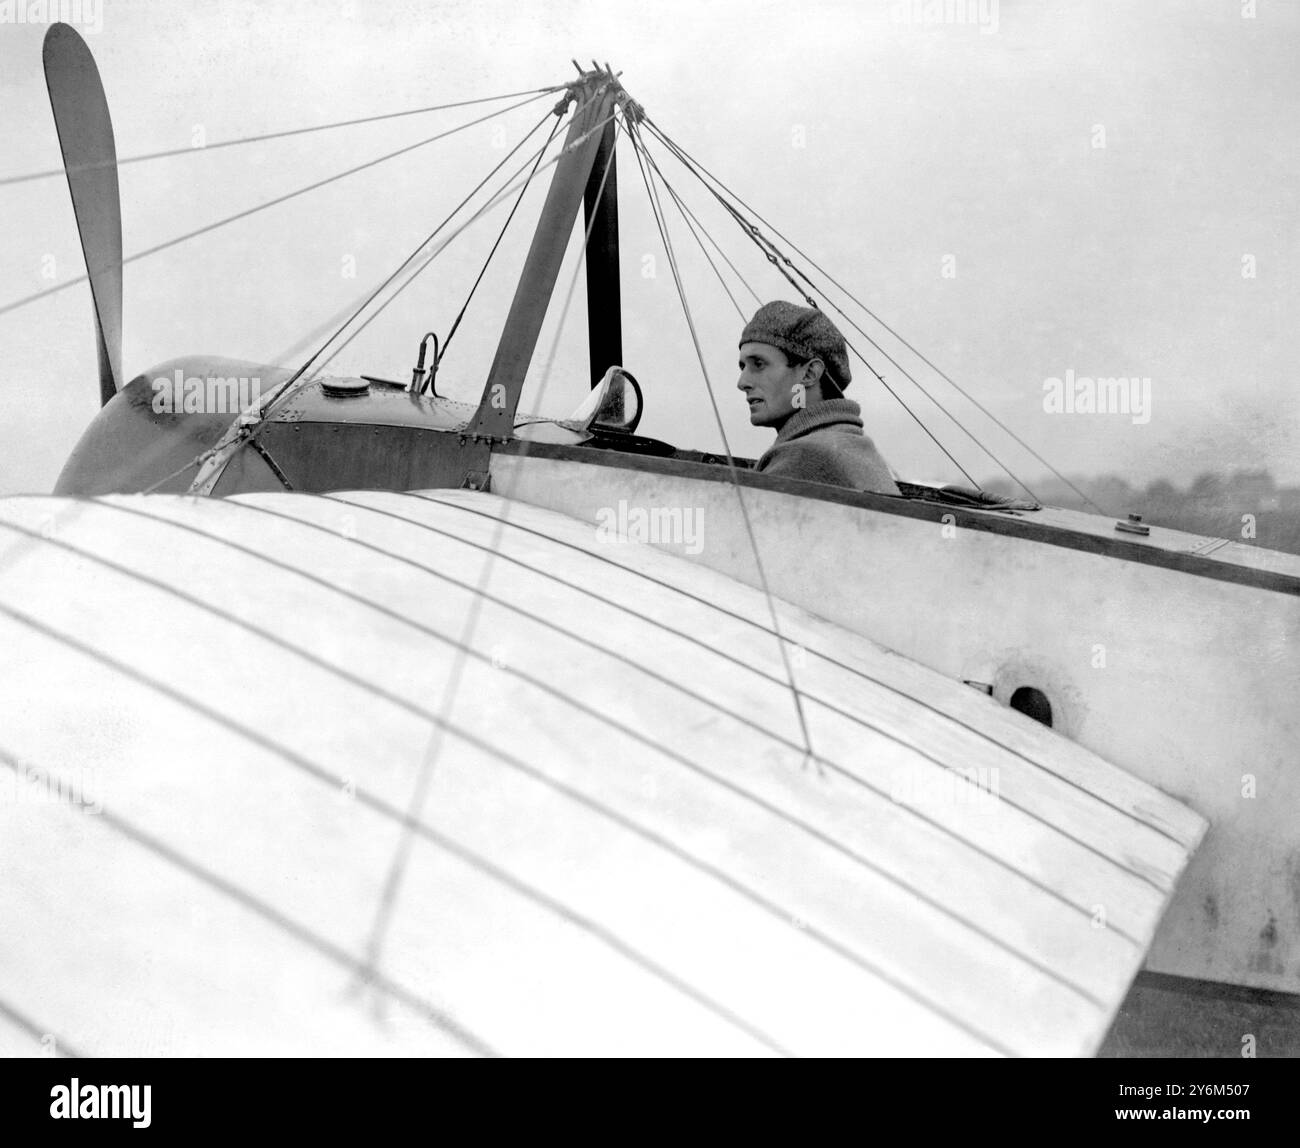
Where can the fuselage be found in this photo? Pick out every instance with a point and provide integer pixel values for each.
(1172, 655)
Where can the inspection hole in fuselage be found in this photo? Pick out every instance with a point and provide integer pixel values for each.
(1032, 703)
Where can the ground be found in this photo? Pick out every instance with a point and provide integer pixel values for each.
(1173, 1016)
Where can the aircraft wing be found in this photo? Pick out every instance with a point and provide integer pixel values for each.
(404, 774)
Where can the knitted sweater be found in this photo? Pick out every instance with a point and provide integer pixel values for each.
(824, 443)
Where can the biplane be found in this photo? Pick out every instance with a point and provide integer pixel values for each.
(348, 717)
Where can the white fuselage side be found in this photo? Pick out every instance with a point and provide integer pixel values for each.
(1189, 681)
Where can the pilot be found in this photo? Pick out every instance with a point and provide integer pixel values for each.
(794, 367)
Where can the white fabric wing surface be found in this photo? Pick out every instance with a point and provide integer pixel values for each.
(402, 774)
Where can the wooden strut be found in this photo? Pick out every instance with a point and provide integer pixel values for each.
(604, 299)
(570, 184)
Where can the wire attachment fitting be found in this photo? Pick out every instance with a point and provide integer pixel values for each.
(419, 381)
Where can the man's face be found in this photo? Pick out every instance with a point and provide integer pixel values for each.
(770, 385)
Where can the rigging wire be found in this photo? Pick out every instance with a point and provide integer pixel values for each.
(451, 691)
(8, 307)
(812, 302)
(777, 257)
(772, 255)
(494, 202)
(192, 150)
(440, 353)
(422, 245)
(683, 206)
(703, 250)
(284, 390)
(692, 163)
(146, 456)
(732, 470)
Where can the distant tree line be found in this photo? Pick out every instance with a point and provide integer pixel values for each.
(1245, 506)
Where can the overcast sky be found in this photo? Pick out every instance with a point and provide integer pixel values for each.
(1099, 186)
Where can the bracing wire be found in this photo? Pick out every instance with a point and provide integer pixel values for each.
(660, 223)
(433, 752)
(686, 218)
(284, 390)
(46, 292)
(209, 147)
(686, 208)
(441, 353)
(494, 202)
(424, 244)
(773, 256)
(692, 164)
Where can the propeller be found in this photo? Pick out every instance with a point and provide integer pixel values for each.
(90, 161)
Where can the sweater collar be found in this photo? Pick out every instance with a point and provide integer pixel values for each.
(830, 412)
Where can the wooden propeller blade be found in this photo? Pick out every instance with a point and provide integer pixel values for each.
(90, 161)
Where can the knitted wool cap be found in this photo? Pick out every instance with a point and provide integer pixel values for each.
(803, 332)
